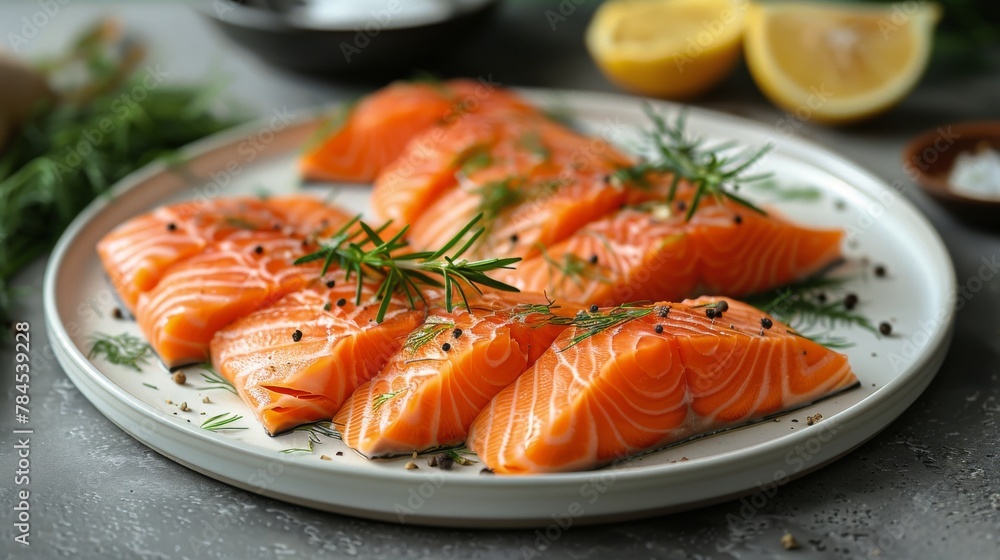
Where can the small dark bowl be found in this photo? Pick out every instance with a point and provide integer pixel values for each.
(380, 48)
(928, 160)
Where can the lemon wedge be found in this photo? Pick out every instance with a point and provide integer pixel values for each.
(667, 48)
(838, 63)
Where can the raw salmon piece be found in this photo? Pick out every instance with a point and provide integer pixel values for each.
(138, 252)
(542, 184)
(447, 371)
(374, 132)
(228, 280)
(630, 389)
(640, 255)
(298, 360)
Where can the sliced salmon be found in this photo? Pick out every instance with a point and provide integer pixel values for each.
(137, 253)
(660, 375)
(539, 183)
(446, 372)
(650, 255)
(298, 360)
(227, 280)
(374, 132)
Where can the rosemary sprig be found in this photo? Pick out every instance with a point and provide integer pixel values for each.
(426, 333)
(364, 254)
(122, 349)
(380, 400)
(221, 422)
(590, 323)
(690, 159)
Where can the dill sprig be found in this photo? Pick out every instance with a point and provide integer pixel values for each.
(811, 304)
(690, 159)
(532, 142)
(574, 267)
(380, 400)
(426, 333)
(591, 323)
(122, 349)
(362, 253)
(473, 158)
(221, 422)
(316, 431)
(215, 380)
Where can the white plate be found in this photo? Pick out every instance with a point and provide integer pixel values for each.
(917, 298)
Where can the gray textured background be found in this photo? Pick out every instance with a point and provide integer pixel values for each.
(927, 487)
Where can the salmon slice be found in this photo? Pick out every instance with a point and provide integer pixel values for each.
(137, 253)
(298, 360)
(646, 255)
(541, 183)
(374, 132)
(634, 387)
(226, 281)
(447, 371)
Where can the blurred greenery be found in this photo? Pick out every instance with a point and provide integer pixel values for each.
(968, 30)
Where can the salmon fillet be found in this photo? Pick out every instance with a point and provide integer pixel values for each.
(661, 375)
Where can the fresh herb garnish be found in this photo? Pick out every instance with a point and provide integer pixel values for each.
(473, 158)
(315, 430)
(532, 142)
(591, 323)
(400, 272)
(811, 304)
(426, 333)
(215, 380)
(689, 159)
(575, 268)
(380, 400)
(238, 222)
(122, 349)
(222, 422)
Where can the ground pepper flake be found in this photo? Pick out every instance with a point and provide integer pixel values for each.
(456, 333)
(593, 308)
(658, 329)
(259, 249)
(171, 227)
(297, 335)
(341, 302)
(851, 301)
(331, 283)
(446, 347)
(885, 328)
(880, 271)
(766, 323)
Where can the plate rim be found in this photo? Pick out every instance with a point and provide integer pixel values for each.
(916, 378)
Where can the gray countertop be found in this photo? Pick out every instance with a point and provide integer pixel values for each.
(926, 487)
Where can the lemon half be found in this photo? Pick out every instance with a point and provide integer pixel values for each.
(667, 48)
(838, 63)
